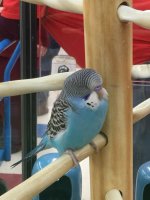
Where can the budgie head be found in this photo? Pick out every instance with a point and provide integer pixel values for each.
(82, 83)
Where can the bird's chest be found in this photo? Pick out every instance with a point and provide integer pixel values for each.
(83, 121)
(86, 122)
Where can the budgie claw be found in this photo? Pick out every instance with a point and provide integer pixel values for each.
(73, 157)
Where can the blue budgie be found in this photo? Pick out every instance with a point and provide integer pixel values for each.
(77, 116)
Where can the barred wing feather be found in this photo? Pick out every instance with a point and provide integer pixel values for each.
(58, 121)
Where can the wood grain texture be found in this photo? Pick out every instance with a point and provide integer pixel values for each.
(108, 50)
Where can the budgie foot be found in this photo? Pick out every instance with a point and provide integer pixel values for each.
(73, 157)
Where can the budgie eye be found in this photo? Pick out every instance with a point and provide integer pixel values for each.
(98, 88)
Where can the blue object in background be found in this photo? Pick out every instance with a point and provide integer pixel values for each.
(7, 108)
(5, 153)
(142, 190)
(4, 44)
(68, 187)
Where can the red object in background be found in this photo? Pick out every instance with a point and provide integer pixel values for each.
(11, 180)
(14, 13)
(67, 29)
(141, 45)
(141, 36)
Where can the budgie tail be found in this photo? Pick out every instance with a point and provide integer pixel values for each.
(39, 148)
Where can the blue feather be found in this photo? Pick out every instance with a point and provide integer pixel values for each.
(83, 125)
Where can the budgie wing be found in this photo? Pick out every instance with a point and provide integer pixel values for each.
(58, 120)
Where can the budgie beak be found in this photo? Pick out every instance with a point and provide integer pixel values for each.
(103, 94)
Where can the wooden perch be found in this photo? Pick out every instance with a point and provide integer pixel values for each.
(26, 86)
(113, 195)
(65, 5)
(52, 83)
(141, 110)
(140, 71)
(125, 13)
(44, 178)
(128, 14)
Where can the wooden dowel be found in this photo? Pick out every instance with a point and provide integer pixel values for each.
(44, 178)
(55, 82)
(141, 110)
(128, 14)
(140, 71)
(125, 13)
(65, 5)
(19, 87)
(113, 195)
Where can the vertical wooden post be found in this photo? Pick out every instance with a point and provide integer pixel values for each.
(108, 50)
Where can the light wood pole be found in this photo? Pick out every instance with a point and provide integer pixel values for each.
(108, 50)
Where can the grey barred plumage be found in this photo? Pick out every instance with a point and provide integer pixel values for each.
(57, 121)
(79, 84)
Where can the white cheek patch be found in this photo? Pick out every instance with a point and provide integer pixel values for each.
(93, 101)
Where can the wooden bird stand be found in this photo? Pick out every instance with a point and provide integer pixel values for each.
(108, 50)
